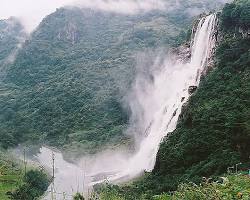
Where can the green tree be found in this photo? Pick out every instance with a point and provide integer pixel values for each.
(35, 183)
(78, 196)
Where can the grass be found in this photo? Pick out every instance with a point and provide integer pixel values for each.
(230, 187)
(10, 176)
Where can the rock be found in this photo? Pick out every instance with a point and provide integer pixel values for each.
(192, 89)
(174, 114)
(70, 33)
(183, 110)
(182, 53)
(182, 99)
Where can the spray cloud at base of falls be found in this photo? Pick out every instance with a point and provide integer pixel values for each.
(155, 101)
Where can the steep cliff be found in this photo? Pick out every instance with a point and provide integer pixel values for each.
(214, 132)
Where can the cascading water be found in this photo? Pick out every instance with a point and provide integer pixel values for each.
(158, 105)
(161, 100)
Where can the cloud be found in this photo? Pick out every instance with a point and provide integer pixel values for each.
(32, 12)
(123, 6)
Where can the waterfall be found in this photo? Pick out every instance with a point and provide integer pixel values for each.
(162, 99)
(156, 106)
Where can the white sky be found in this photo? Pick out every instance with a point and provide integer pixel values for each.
(31, 12)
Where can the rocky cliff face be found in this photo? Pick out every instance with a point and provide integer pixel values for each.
(182, 53)
(70, 33)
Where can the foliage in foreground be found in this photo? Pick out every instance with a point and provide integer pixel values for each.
(10, 176)
(14, 184)
(34, 184)
(225, 188)
(78, 196)
(233, 187)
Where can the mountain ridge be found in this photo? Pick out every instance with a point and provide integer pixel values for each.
(67, 58)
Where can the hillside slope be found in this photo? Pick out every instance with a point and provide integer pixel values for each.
(228, 187)
(68, 81)
(70, 77)
(213, 132)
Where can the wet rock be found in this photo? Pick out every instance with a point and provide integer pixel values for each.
(183, 110)
(192, 89)
(174, 114)
(182, 53)
(147, 131)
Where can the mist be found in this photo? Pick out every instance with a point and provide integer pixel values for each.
(123, 7)
(159, 91)
(32, 12)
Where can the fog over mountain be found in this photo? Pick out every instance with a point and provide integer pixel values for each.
(32, 12)
(117, 89)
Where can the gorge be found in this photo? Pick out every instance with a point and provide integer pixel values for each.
(156, 104)
(135, 105)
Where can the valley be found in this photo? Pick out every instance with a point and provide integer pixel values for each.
(122, 103)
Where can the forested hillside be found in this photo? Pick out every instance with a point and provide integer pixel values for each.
(68, 80)
(213, 132)
(64, 86)
(17, 184)
(71, 75)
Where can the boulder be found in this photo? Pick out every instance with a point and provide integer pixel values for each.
(192, 89)
(174, 114)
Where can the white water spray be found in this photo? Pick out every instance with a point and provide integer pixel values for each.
(156, 106)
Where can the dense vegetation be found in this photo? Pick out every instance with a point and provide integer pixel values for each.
(230, 187)
(225, 188)
(213, 132)
(68, 81)
(10, 176)
(34, 184)
(16, 185)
